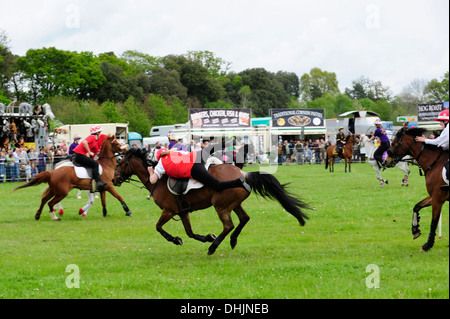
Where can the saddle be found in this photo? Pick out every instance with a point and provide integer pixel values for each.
(81, 171)
(181, 186)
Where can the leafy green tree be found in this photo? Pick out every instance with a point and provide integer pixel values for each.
(317, 83)
(167, 83)
(118, 86)
(139, 62)
(438, 91)
(136, 116)
(52, 72)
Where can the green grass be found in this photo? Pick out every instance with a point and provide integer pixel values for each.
(354, 224)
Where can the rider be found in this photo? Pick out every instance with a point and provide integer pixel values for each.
(85, 152)
(174, 142)
(441, 140)
(340, 140)
(384, 143)
(190, 165)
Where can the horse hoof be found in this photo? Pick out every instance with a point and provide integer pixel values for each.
(210, 238)
(417, 235)
(37, 217)
(129, 214)
(178, 241)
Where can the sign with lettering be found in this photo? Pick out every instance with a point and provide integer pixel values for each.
(217, 118)
(297, 117)
(429, 112)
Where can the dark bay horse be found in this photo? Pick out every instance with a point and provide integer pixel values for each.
(63, 179)
(432, 160)
(347, 153)
(135, 163)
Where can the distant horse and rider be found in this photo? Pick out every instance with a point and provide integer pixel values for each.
(343, 151)
(64, 178)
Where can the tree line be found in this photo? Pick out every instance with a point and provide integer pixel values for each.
(146, 90)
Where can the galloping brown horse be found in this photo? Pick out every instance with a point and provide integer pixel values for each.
(347, 154)
(135, 163)
(63, 179)
(432, 160)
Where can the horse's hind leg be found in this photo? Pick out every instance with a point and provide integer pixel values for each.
(243, 219)
(51, 205)
(188, 228)
(416, 217)
(225, 217)
(165, 217)
(44, 200)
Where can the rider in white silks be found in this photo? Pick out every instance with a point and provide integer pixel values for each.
(441, 140)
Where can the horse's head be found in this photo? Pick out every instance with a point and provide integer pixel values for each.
(111, 145)
(132, 162)
(402, 144)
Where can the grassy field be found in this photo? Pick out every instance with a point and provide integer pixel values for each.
(354, 224)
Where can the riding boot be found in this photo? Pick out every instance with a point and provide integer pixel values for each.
(445, 188)
(100, 185)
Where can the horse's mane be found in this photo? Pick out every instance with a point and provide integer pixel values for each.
(415, 131)
(140, 153)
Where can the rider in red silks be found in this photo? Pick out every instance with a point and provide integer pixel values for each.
(85, 152)
(190, 165)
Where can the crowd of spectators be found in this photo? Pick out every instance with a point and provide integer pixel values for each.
(21, 163)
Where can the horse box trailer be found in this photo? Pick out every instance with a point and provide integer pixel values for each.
(67, 132)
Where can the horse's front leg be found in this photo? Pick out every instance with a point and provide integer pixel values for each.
(165, 217)
(113, 192)
(437, 207)
(416, 217)
(188, 228)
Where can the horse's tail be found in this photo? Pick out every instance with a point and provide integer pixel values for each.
(326, 159)
(43, 177)
(268, 186)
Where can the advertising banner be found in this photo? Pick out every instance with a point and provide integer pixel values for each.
(429, 112)
(297, 117)
(219, 118)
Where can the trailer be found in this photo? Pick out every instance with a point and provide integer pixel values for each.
(67, 132)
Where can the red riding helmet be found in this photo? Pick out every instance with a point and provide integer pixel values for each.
(158, 153)
(95, 129)
(443, 116)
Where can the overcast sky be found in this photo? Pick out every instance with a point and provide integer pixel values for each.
(393, 41)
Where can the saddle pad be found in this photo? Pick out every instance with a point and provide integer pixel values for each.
(444, 175)
(192, 184)
(81, 172)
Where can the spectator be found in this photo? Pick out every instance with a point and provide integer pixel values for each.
(280, 154)
(76, 141)
(287, 152)
(299, 153)
(2, 166)
(308, 154)
(42, 160)
(16, 165)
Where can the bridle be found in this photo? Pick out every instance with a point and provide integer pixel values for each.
(120, 180)
(406, 152)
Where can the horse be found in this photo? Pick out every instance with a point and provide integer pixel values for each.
(432, 160)
(266, 185)
(63, 179)
(347, 153)
(370, 150)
